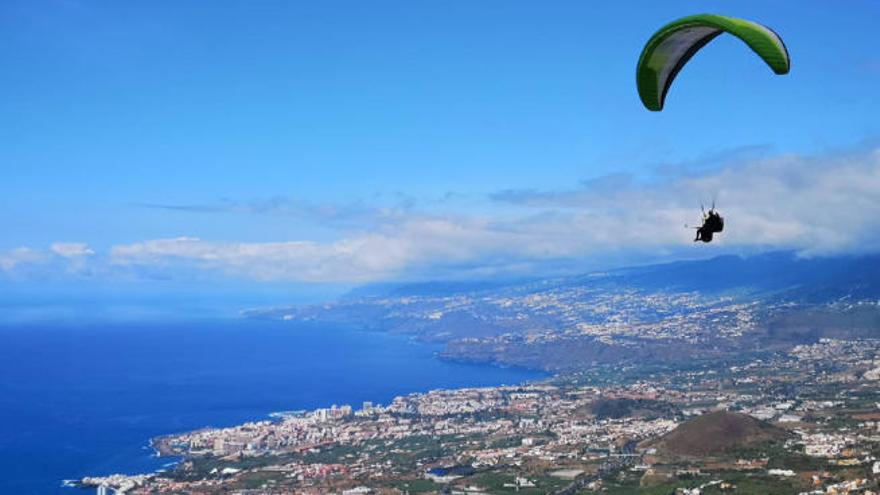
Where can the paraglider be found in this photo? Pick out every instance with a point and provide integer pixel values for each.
(713, 223)
(670, 48)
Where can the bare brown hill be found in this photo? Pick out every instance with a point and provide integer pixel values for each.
(716, 433)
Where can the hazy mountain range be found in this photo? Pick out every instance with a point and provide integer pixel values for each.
(674, 311)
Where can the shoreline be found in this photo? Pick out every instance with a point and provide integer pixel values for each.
(161, 447)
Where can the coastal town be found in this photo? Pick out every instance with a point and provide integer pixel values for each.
(632, 316)
(806, 420)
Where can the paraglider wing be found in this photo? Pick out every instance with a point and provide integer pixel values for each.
(670, 48)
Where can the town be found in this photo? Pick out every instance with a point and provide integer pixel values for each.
(804, 420)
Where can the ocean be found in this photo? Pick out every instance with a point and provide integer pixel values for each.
(84, 399)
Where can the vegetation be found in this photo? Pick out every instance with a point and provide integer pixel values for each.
(716, 433)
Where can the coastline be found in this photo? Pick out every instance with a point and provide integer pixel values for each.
(161, 446)
(164, 446)
(470, 375)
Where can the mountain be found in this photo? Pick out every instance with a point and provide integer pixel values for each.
(715, 433)
(766, 272)
(814, 278)
(435, 288)
(673, 312)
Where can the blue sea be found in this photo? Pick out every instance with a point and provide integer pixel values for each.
(84, 399)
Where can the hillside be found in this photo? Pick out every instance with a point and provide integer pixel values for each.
(660, 314)
(716, 433)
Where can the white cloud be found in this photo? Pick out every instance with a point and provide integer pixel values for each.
(345, 260)
(823, 204)
(61, 256)
(71, 249)
(19, 256)
(814, 205)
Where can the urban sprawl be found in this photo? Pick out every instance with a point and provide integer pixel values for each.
(608, 429)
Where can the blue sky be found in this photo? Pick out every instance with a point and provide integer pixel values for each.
(349, 142)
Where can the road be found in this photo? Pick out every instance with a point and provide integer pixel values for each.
(626, 459)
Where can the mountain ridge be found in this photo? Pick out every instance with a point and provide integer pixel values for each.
(769, 271)
(701, 309)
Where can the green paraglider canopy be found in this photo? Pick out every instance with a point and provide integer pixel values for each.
(675, 43)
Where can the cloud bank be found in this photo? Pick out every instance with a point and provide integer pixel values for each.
(816, 205)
